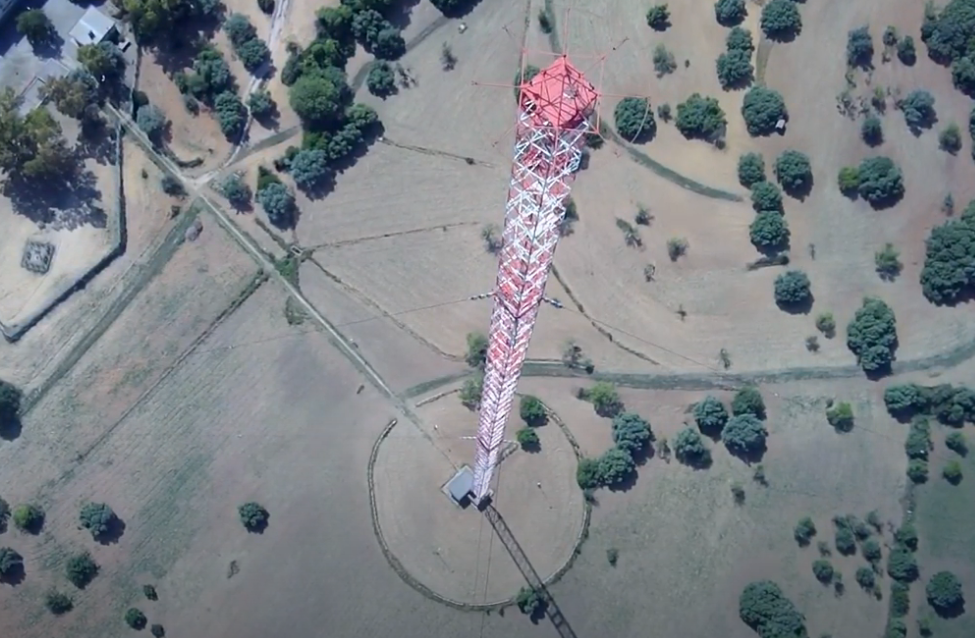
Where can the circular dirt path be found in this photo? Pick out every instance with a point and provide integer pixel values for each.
(454, 553)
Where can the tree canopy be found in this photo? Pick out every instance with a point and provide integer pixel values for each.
(794, 173)
(729, 13)
(740, 39)
(278, 203)
(859, 47)
(763, 607)
(700, 117)
(751, 169)
(689, 448)
(762, 107)
(766, 196)
(710, 415)
(36, 27)
(634, 120)
(605, 399)
(944, 591)
(735, 69)
(309, 168)
(744, 434)
(615, 466)
(381, 80)
(781, 20)
(532, 410)
(320, 98)
(918, 110)
(631, 432)
(769, 231)
(104, 59)
(872, 130)
(792, 288)
(949, 262)
(151, 120)
(97, 518)
(872, 335)
(31, 145)
(881, 181)
(748, 400)
(949, 32)
(71, 94)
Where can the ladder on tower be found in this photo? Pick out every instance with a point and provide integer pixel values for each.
(528, 571)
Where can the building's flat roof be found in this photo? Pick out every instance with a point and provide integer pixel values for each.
(92, 27)
(461, 485)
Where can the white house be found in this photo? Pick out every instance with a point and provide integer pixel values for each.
(93, 27)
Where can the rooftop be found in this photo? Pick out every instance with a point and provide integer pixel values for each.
(93, 27)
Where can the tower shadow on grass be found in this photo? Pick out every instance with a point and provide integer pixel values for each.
(548, 607)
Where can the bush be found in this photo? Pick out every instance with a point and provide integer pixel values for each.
(658, 17)
(689, 448)
(470, 392)
(631, 433)
(952, 472)
(872, 335)
(901, 565)
(260, 103)
(918, 442)
(134, 618)
(58, 602)
(887, 262)
(859, 48)
(950, 139)
(676, 248)
(794, 173)
(918, 109)
(172, 186)
(663, 61)
(871, 550)
(278, 203)
(381, 80)
(944, 591)
(762, 108)
(763, 607)
(150, 592)
(826, 324)
(905, 50)
(81, 569)
(781, 20)
(792, 288)
(956, 443)
(529, 601)
(849, 180)
(948, 273)
(587, 474)
(900, 601)
(615, 466)
(309, 168)
(532, 411)
(766, 196)
(865, 578)
(740, 40)
(700, 118)
(253, 54)
(917, 470)
(804, 531)
(10, 561)
(744, 434)
(844, 538)
(97, 518)
(748, 400)
(872, 131)
(729, 13)
(253, 516)
(634, 120)
(527, 438)
(152, 121)
(881, 182)
(840, 416)
(605, 400)
(28, 518)
(751, 169)
(823, 569)
(157, 630)
(735, 69)
(230, 114)
(710, 415)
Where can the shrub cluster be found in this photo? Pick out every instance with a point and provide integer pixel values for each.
(631, 435)
(872, 335)
(634, 120)
(952, 405)
(251, 50)
(948, 274)
(763, 607)
(734, 66)
(762, 107)
(700, 117)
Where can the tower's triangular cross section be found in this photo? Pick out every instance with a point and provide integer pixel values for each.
(553, 120)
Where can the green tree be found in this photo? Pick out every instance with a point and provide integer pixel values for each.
(740, 39)
(152, 121)
(792, 288)
(881, 182)
(918, 110)
(689, 448)
(134, 618)
(28, 518)
(587, 474)
(744, 434)
(901, 565)
(631, 433)
(278, 203)
(748, 400)
(804, 530)
(918, 442)
(823, 570)
(527, 438)
(253, 516)
(905, 51)
(859, 48)
(917, 470)
(906, 536)
(230, 113)
(615, 466)
(944, 591)
(710, 415)
(634, 120)
(253, 54)
(470, 392)
(840, 416)
(477, 347)
(763, 607)
(735, 69)
(956, 443)
(605, 400)
(950, 139)
(794, 172)
(10, 562)
(237, 192)
(729, 13)
(239, 29)
(157, 630)
(871, 550)
(826, 324)
(71, 94)
(81, 569)
(849, 180)
(532, 411)
(700, 117)
(658, 17)
(887, 262)
(769, 231)
(389, 44)
(319, 99)
(751, 169)
(947, 32)
(104, 59)
(261, 104)
(36, 27)
(948, 274)
(952, 472)
(872, 335)
(762, 107)
(663, 61)
(865, 578)
(97, 518)
(58, 602)
(766, 196)
(900, 602)
(781, 20)
(309, 168)
(210, 77)
(381, 80)
(844, 537)
(872, 131)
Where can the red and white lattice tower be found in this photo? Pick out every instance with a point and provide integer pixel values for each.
(553, 119)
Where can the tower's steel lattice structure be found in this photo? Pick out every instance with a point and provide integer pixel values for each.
(554, 114)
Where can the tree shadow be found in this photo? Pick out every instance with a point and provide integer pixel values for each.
(50, 48)
(886, 202)
(701, 462)
(111, 536)
(36, 525)
(97, 142)
(400, 13)
(15, 575)
(797, 308)
(926, 123)
(10, 426)
(625, 484)
(950, 612)
(785, 36)
(533, 447)
(260, 526)
(461, 9)
(271, 119)
(65, 205)
(801, 192)
(748, 456)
